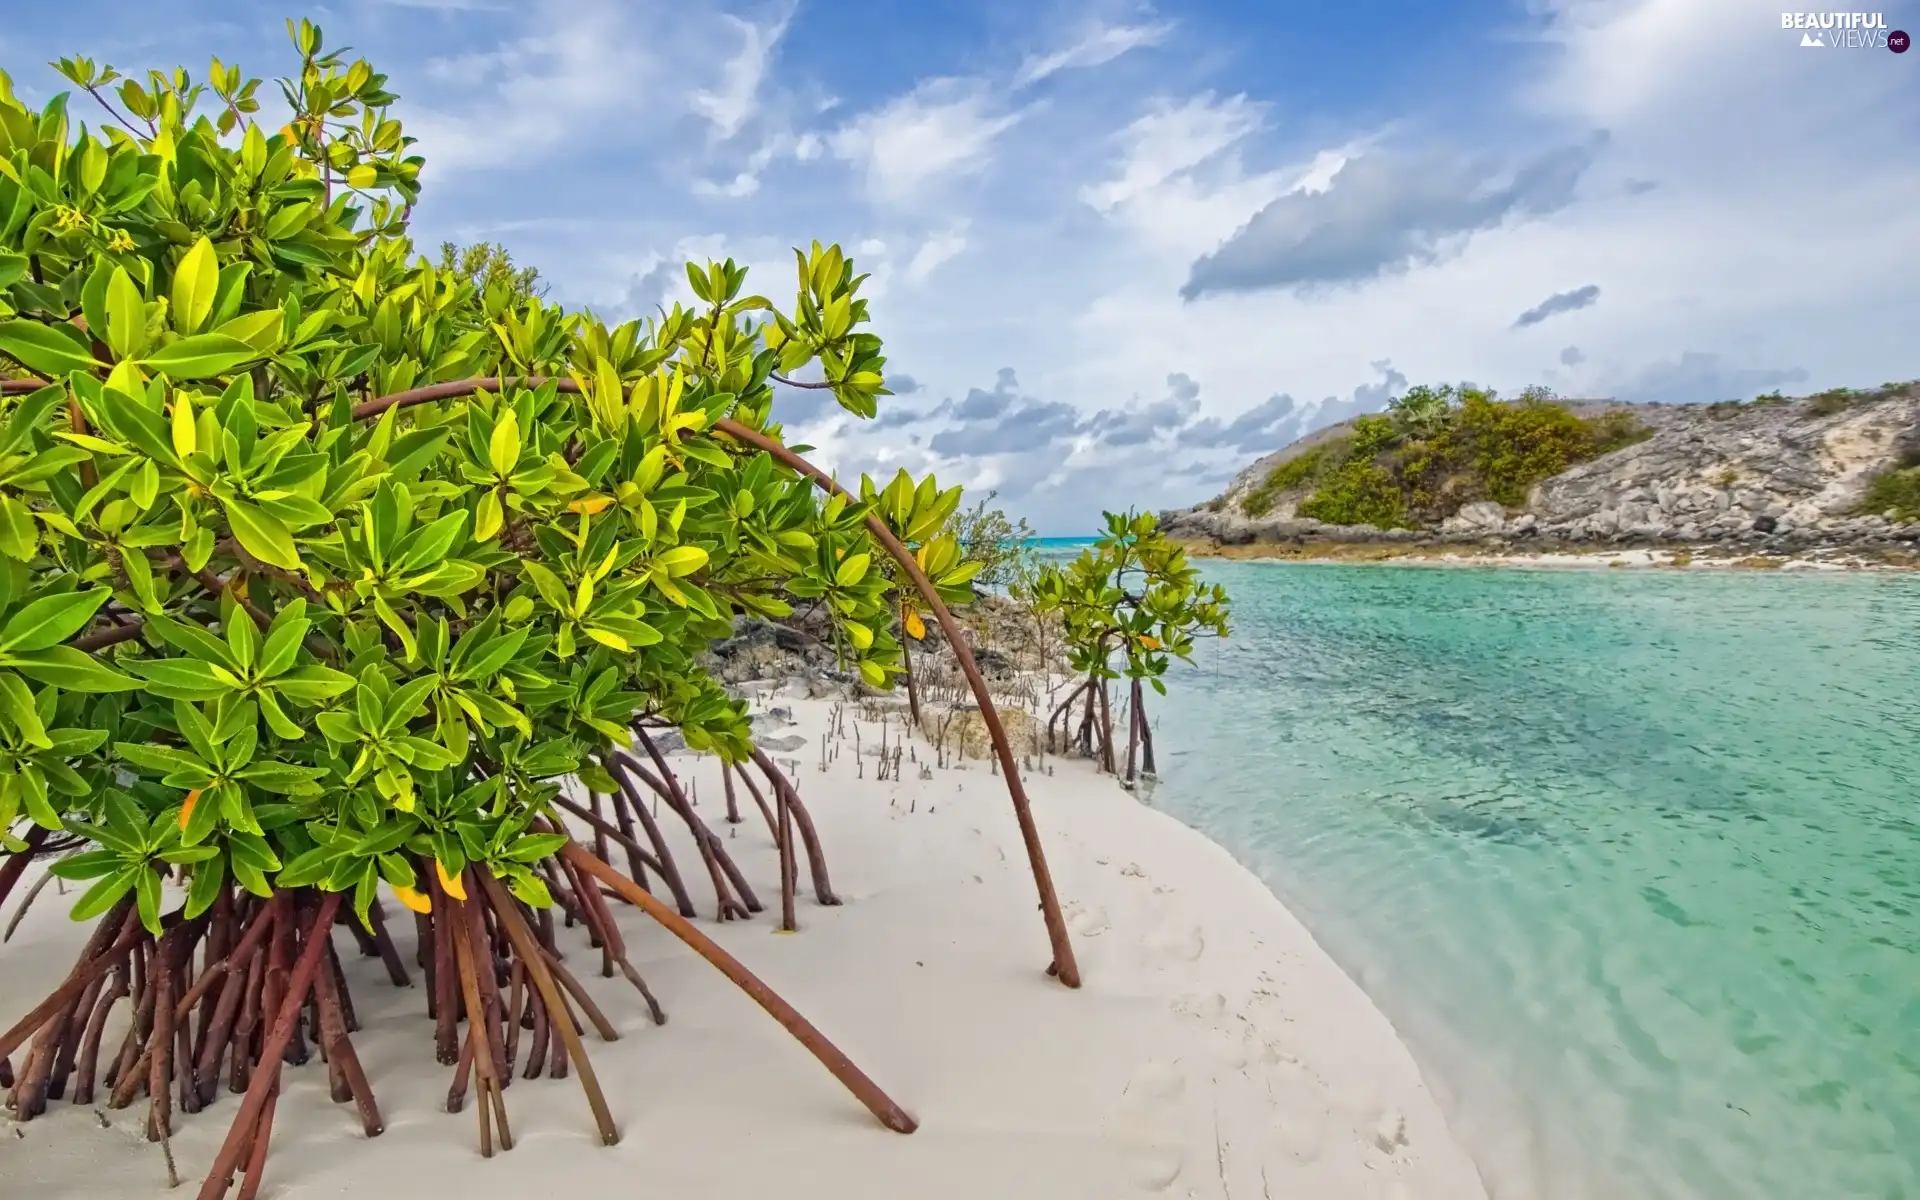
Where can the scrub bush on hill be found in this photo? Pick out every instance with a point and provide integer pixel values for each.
(1134, 593)
(322, 565)
(1893, 493)
(1437, 449)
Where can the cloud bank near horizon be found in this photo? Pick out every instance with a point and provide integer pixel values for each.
(1116, 252)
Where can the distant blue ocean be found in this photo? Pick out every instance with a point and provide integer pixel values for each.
(1062, 547)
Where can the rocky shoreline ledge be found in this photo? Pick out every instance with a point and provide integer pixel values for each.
(1767, 479)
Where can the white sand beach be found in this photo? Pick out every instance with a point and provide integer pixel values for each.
(1215, 1050)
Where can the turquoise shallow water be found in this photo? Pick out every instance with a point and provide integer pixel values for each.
(1632, 858)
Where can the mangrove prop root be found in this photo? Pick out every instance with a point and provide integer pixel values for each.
(537, 1041)
(446, 984)
(93, 963)
(1106, 731)
(89, 1062)
(334, 1038)
(617, 941)
(527, 949)
(599, 824)
(257, 1150)
(1146, 746)
(773, 827)
(787, 865)
(601, 1025)
(16, 863)
(383, 944)
(816, 858)
(252, 1105)
(864, 1089)
(599, 836)
(1063, 711)
(630, 806)
(26, 902)
(1133, 728)
(726, 876)
(482, 1029)
(516, 997)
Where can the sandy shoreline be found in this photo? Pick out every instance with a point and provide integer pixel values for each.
(1468, 555)
(1215, 1050)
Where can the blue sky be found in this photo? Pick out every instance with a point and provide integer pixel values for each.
(1120, 249)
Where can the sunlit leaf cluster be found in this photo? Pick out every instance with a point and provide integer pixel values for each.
(258, 621)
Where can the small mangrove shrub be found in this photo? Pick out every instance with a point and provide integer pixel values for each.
(1135, 594)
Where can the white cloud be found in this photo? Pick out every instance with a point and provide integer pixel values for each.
(1099, 45)
(1171, 137)
(940, 248)
(746, 183)
(449, 5)
(622, 74)
(533, 91)
(1748, 218)
(730, 105)
(944, 128)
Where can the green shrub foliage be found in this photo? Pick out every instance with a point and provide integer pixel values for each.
(259, 628)
(1895, 493)
(1436, 449)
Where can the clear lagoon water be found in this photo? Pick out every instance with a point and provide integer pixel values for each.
(1631, 858)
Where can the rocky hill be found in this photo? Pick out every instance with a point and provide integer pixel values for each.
(1840, 469)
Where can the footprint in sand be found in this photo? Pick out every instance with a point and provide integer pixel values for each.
(1145, 1123)
(1091, 923)
(1300, 1132)
(1182, 943)
(1210, 1007)
(1390, 1132)
(1303, 1111)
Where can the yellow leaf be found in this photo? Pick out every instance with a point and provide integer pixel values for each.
(195, 280)
(186, 809)
(412, 899)
(503, 448)
(451, 883)
(593, 506)
(183, 430)
(1149, 642)
(916, 628)
(487, 517)
(607, 638)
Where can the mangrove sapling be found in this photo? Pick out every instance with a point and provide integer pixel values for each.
(1133, 592)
